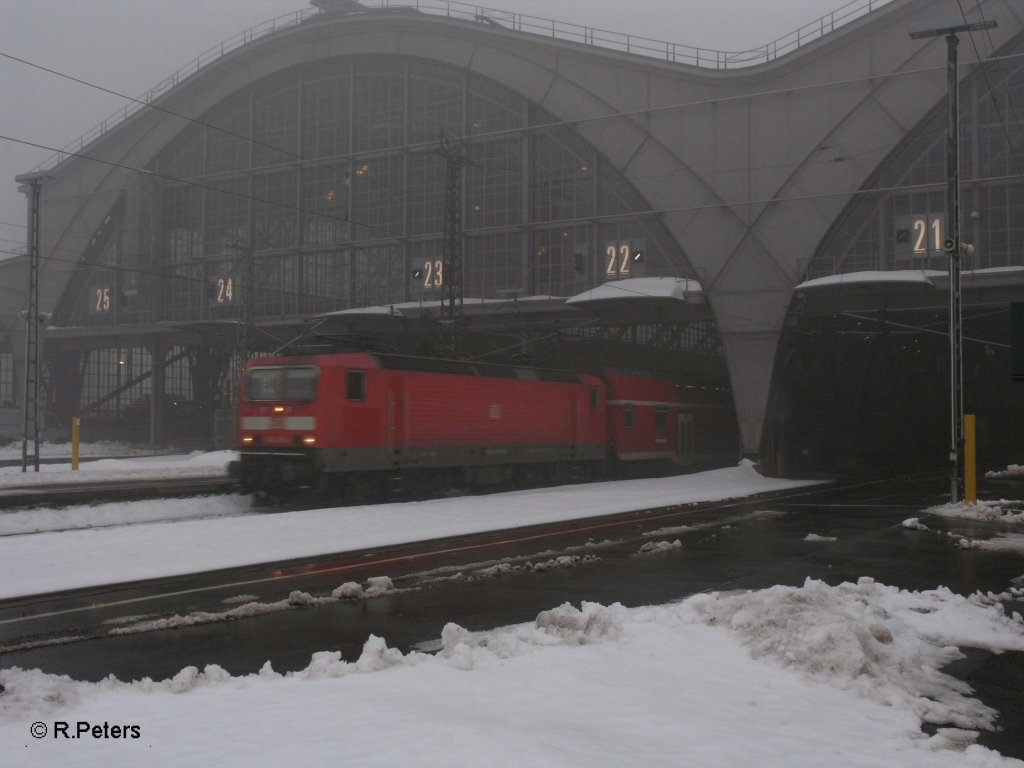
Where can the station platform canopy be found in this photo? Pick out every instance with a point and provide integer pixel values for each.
(908, 278)
(646, 300)
(635, 300)
(471, 307)
(904, 289)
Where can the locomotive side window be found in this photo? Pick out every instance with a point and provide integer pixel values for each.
(627, 415)
(300, 383)
(594, 398)
(356, 384)
(660, 417)
(278, 383)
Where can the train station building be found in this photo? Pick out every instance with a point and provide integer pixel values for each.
(766, 224)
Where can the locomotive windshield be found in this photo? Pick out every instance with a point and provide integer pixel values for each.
(297, 383)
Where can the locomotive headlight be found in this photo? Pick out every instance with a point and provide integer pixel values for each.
(278, 409)
(247, 439)
(309, 440)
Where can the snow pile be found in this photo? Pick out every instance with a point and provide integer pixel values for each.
(1000, 511)
(472, 572)
(375, 587)
(816, 538)
(1014, 470)
(997, 512)
(993, 598)
(375, 657)
(885, 644)
(716, 524)
(592, 623)
(914, 524)
(660, 547)
(780, 677)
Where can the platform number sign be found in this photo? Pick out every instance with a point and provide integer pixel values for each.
(430, 275)
(919, 235)
(101, 297)
(433, 274)
(225, 290)
(221, 290)
(622, 258)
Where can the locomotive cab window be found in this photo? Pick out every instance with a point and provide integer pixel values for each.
(595, 398)
(660, 417)
(356, 386)
(627, 415)
(294, 384)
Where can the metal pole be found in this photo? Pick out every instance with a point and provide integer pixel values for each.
(953, 244)
(248, 304)
(30, 421)
(453, 285)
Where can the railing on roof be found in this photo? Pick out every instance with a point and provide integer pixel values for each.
(517, 22)
(642, 46)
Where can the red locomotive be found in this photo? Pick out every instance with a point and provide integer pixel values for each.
(365, 426)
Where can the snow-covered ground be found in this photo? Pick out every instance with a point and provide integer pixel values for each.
(788, 677)
(812, 676)
(48, 550)
(93, 467)
(99, 449)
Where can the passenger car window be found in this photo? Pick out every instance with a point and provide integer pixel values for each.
(356, 385)
(660, 417)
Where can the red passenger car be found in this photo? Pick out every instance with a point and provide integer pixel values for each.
(654, 420)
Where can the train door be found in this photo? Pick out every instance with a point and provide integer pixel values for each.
(684, 449)
(397, 417)
(574, 423)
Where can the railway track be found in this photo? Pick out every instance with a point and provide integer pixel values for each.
(86, 492)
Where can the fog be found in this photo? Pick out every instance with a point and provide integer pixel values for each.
(128, 46)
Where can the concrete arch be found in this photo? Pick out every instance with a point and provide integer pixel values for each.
(747, 169)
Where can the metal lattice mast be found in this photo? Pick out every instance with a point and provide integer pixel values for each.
(248, 306)
(33, 317)
(452, 288)
(952, 244)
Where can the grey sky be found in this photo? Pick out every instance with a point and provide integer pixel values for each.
(130, 45)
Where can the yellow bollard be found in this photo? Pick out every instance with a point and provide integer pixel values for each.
(75, 424)
(970, 460)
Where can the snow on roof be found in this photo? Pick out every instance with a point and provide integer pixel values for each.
(396, 309)
(904, 276)
(992, 271)
(390, 309)
(642, 288)
(924, 277)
